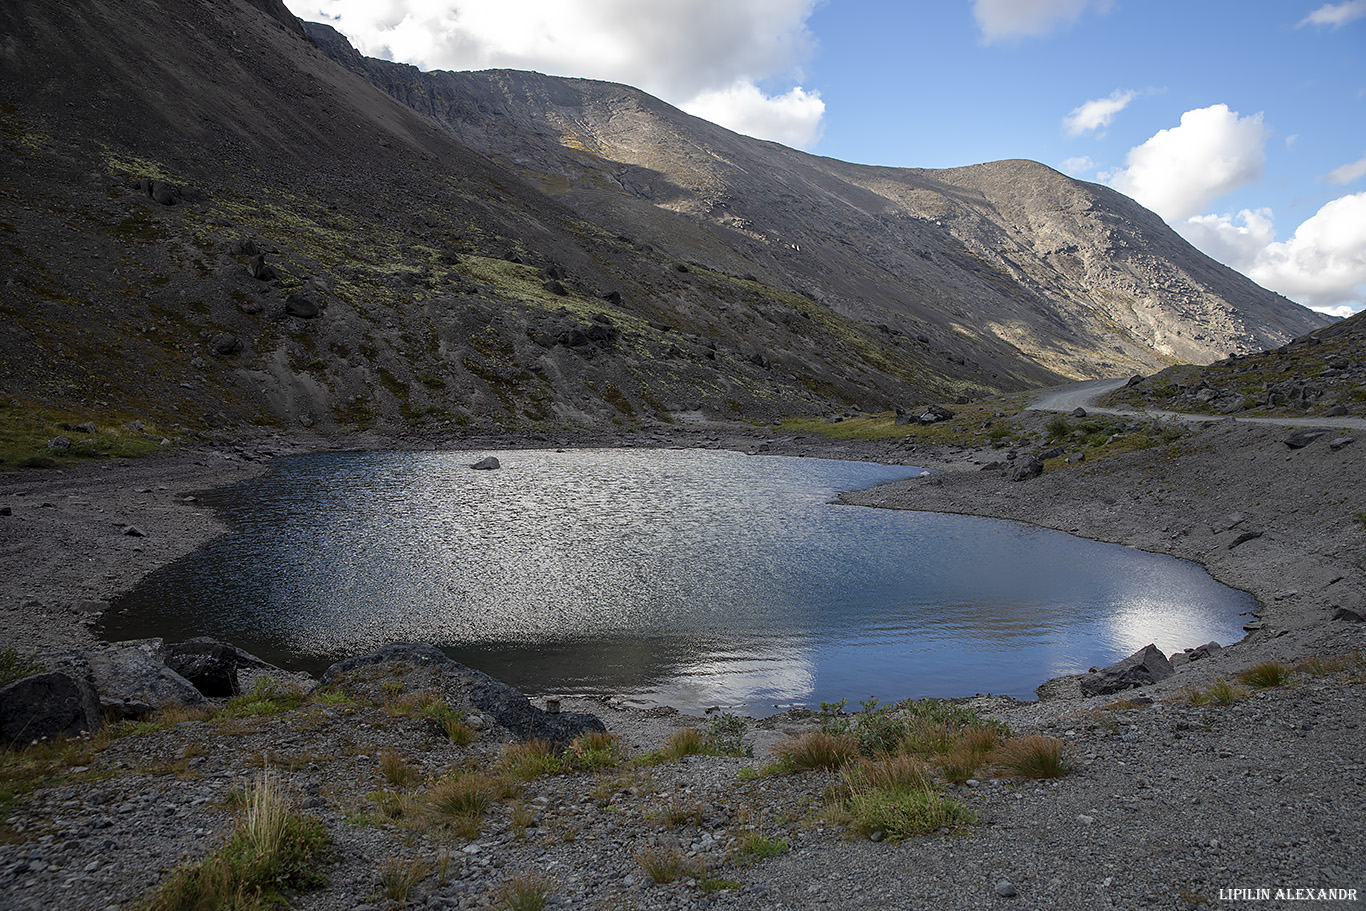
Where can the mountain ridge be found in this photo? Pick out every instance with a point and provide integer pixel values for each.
(211, 224)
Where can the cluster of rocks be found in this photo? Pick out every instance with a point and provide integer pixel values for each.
(132, 680)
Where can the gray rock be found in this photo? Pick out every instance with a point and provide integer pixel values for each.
(1349, 616)
(261, 270)
(488, 463)
(210, 665)
(59, 444)
(1145, 666)
(1340, 442)
(302, 306)
(1078, 412)
(1005, 889)
(1298, 439)
(935, 414)
(1027, 469)
(47, 705)
(224, 345)
(132, 675)
(505, 705)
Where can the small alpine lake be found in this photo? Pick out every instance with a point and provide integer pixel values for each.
(691, 578)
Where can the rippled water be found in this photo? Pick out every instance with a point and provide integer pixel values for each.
(692, 578)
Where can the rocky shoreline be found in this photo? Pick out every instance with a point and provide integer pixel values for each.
(1171, 805)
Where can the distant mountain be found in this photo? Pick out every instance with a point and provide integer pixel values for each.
(1078, 276)
(208, 222)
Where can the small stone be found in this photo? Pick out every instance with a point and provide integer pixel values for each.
(133, 531)
(1086, 820)
(1340, 442)
(487, 464)
(1005, 889)
(877, 836)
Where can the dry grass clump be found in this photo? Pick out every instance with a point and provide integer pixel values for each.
(594, 750)
(398, 878)
(1266, 674)
(664, 865)
(530, 759)
(271, 849)
(685, 742)
(1320, 667)
(816, 750)
(1220, 693)
(524, 892)
(395, 768)
(458, 802)
(1034, 756)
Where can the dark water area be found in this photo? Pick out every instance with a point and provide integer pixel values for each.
(686, 577)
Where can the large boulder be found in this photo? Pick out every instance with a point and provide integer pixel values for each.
(47, 705)
(211, 666)
(466, 686)
(1027, 469)
(130, 678)
(1145, 666)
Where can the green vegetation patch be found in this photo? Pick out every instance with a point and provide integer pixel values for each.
(28, 431)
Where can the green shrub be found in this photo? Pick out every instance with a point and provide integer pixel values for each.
(14, 666)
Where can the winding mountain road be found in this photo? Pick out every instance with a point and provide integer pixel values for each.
(1086, 394)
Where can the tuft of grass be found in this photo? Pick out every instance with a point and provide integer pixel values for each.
(271, 849)
(524, 892)
(530, 759)
(594, 750)
(904, 812)
(1319, 667)
(685, 742)
(463, 796)
(1266, 674)
(664, 865)
(267, 697)
(1035, 756)
(14, 666)
(398, 878)
(1221, 693)
(755, 846)
(679, 813)
(816, 750)
(896, 772)
(710, 886)
(395, 768)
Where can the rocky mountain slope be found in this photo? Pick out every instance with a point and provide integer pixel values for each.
(1322, 373)
(1076, 275)
(209, 224)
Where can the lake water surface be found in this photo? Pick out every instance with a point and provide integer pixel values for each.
(688, 577)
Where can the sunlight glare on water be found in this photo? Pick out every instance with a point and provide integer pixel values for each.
(693, 578)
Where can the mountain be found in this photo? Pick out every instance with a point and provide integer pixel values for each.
(213, 218)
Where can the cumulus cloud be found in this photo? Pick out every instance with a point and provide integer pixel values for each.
(1335, 15)
(794, 119)
(1003, 20)
(1348, 172)
(1179, 171)
(1079, 165)
(1322, 265)
(679, 50)
(1097, 113)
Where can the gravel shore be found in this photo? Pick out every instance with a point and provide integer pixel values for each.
(1171, 805)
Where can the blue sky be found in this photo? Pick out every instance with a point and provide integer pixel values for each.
(1243, 124)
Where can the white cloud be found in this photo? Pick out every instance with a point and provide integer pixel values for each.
(1348, 172)
(1335, 14)
(1178, 171)
(793, 119)
(1097, 113)
(1079, 165)
(678, 50)
(1007, 19)
(1236, 241)
(1323, 265)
